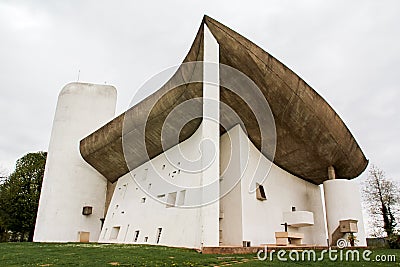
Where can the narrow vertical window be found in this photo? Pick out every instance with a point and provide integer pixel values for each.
(125, 187)
(181, 199)
(136, 236)
(145, 174)
(158, 235)
(126, 232)
(105, 232)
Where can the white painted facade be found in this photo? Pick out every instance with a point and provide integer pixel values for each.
(69, 183)
(131, 209)
(210, 131)
(158, 202)
(246, 218)
(242, 217)
(342, 201)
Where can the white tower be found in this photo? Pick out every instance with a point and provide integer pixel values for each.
(69, 183)
(343, 202)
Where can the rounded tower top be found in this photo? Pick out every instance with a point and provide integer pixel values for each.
(82, 88)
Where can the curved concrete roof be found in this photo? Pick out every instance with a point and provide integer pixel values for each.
(310, 135)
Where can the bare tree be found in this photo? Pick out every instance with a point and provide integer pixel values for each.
(3, 175)
(382, 198)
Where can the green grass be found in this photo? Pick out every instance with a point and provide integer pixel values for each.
(43, 254)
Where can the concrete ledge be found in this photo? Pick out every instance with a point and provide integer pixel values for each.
(230, 250)
(254, 250)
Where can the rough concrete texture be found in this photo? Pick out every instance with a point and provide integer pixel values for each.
(310, 135)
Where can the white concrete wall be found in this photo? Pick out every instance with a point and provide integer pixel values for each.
(243, 217)
(181, 225)
(69, 183)
(342, 202)
(231, 228)
(135, 205)
(261, 219)
(210, 132)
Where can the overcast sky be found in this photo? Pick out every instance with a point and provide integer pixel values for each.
(348, 51)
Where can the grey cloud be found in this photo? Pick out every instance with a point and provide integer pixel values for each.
(346, 50)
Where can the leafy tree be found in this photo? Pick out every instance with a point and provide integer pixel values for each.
(3, 176)
(3, 231)
(19, 196)
(382, 198)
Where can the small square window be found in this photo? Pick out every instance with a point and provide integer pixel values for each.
(260, 192)
(87, 210)
(171, 200)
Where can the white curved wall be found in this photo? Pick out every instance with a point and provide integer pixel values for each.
(342, 202)
(248, 219)
(69, 183)
(242, 216)
(133, 211)
(128, 212)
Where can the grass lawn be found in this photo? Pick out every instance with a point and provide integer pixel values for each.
(44, 254)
